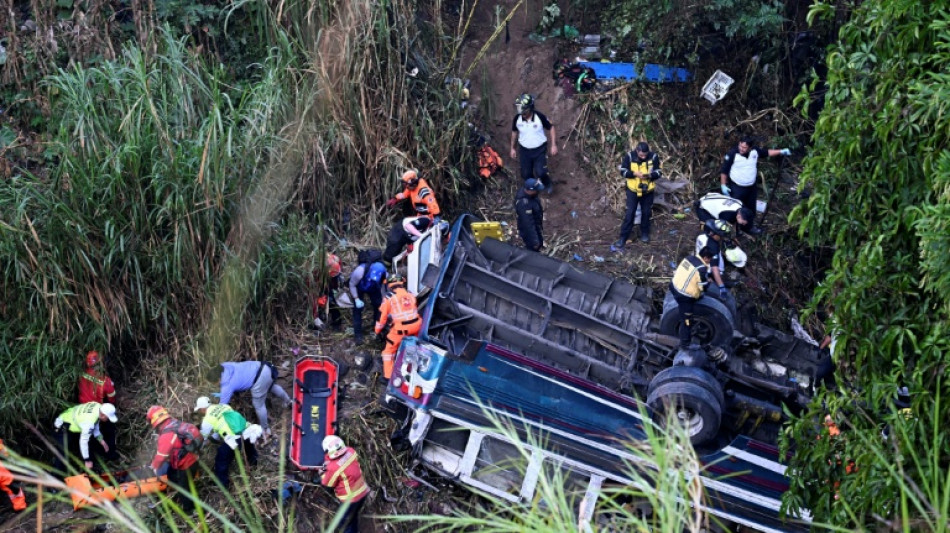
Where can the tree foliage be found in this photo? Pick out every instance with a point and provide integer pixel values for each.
(880, 174)
(673, 28)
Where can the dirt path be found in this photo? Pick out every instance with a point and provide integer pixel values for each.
(582, 217)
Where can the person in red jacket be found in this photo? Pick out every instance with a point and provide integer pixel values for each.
(419, 193)
(9, 485)
(96, 386)
(399, 307)
(177, 453)
(341, 471)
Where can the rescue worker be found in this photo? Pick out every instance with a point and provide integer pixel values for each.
(640, 168)
(367, 280)
(221, 423)
(77, 425)
(328, 281)
(530, 214)
(718, 232)
(687, 287)
(403, 234)
(9, 485)
(400, 311)
(714, 206)
(177, 453)
(96, 386)
(258, 377)
(341, 471)
(420, 195)
(528, 130)
(739, 172)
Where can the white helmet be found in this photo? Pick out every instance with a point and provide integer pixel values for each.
(333, 446)
(736, 256)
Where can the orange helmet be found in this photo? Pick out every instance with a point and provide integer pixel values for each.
(156, 415)
(333, 265)
(410, 178)
(92, 358)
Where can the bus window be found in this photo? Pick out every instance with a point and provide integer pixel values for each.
(500, 465)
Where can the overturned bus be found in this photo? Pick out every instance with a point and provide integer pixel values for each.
(573, 358)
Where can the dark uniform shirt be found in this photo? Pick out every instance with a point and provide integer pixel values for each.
(530, 219)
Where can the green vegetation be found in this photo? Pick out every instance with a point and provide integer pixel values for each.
(174, 199)
(879, 176)
(670, 29)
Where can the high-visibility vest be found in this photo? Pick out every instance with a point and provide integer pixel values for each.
(641, 166)
(214, 416)
(402, 306)
(80, 415)
(690, 277)
(422, 199)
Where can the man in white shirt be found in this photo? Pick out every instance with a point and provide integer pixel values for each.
(531, 131)
(739, 171)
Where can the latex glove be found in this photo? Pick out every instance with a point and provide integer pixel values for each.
(725, 189)
(359, 303)
(105, 447)
(391, 202)
(88, 464)
(231, 441)
(723, 291)
(786, 151)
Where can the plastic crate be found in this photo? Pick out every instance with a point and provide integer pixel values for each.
(717, 87)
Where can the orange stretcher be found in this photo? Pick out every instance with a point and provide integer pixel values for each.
(314, 410)
(93, 491)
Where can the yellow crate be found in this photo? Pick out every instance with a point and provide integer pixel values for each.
(484, 230)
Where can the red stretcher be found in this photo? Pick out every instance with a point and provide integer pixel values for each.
(314, 411)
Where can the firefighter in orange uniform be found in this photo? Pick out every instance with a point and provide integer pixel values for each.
(96, 386)
(9, 485)
(419, 194)
(177, 453)
(341, 471)
(399, 307)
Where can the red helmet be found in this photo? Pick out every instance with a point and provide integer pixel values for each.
(333, 265)
(92, 358)
(156, 415)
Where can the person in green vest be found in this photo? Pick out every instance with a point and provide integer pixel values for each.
(76, 426)
(228, 427)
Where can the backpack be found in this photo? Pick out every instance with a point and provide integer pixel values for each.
(370, 256)
(235, 421)
(372, 277)
(189, 435)
(581, 79)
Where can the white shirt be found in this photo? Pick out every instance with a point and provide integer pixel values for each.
(745, 169)
(531, 132)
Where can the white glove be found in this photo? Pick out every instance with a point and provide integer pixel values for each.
(231, 441)
(58, 423)
(359, 303)
(786, 151)
(252, 433)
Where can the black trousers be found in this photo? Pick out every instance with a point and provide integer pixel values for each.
(534, 163)
(686, 306)
(646, 209)
(350, 523)
(747, 195)
(225, 456)
(376, 297)
(181, 484)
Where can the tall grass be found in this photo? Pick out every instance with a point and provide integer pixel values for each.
(664, 469)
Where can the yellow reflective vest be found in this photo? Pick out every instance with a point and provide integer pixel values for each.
(690, 277)
(85, 414)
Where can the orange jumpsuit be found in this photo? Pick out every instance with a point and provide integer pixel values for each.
(422, 198)
(10, 486)
(400, 305)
